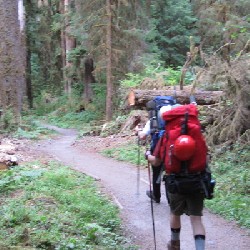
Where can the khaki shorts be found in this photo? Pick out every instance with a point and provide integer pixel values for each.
(190, 204)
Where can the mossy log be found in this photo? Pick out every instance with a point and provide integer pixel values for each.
(137, 98)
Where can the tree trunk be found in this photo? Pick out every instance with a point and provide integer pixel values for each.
(11, 59)
(89, 78)
(29, 93)
(21, 16)
(63, 48)
(69, 45)
(191, 56)
(138, 98)
(109, 62)
(148, 8)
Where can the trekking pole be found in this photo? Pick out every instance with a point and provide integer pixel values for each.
(151, 203)
(138, 165)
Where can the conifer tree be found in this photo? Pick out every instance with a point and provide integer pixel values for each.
(43, 37)
(108, 36)
(172, 24)
(223, 22)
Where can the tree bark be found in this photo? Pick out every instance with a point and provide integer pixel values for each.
(12, 70)
(29, 92)
(191, 56)
(21, 16)
(62, 43)
(69, 45)
(89, 78)
(138, 98)
(109, 62)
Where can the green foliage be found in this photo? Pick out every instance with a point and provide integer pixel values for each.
(173, 23)
(53, 207)
(129, 153)
(221, 22)
(99, 100)
(35, 134)
(70, 112)
(46, 103)
(155, 70)
(30, 128)
(150, 69)
(8, 121)
(72, 119)
(43, 36)
(132, 80)
(232, 174)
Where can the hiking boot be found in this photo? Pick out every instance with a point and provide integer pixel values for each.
(174, 245)
(151, 196)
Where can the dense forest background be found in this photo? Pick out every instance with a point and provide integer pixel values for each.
(89, 53)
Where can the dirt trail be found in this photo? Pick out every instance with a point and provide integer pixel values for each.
(119, 181)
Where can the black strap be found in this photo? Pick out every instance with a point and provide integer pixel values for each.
(184, 131)
(184, 124)
(153, 121)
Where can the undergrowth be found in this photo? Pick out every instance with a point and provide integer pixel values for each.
(232, 192)
(53, 207)
(30, 128)
(130, 152)
(72, 119)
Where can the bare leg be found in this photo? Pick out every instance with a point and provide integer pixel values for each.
(175, 221)
(198, 231)
(197, 225)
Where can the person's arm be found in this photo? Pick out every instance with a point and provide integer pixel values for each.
(145, 131)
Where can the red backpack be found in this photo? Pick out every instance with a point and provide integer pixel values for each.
(182, 148)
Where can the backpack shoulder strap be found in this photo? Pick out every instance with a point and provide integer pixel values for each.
(184, 124)
(184, 131)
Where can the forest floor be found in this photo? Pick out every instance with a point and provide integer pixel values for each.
(118, 180)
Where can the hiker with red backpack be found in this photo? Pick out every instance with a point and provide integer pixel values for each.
(183, 151)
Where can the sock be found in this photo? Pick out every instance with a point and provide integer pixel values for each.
(199, 242)
(175, 233)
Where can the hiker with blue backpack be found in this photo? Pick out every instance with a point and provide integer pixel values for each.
(183, 152)
(155, 129)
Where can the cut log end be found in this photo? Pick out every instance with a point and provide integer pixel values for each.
(3, 166)
(131, 98)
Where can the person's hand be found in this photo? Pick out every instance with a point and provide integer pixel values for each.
(138, 129)
(147, 153)
(142, 136)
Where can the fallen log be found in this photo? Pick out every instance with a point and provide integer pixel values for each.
(137, 98)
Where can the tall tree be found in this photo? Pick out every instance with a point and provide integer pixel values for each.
(12, 73)
(109, 62)
(62, 42)
(28, 41)
(94, 25)
(43, 47)
(69, 45)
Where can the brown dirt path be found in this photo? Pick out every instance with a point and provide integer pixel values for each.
(119, 179)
